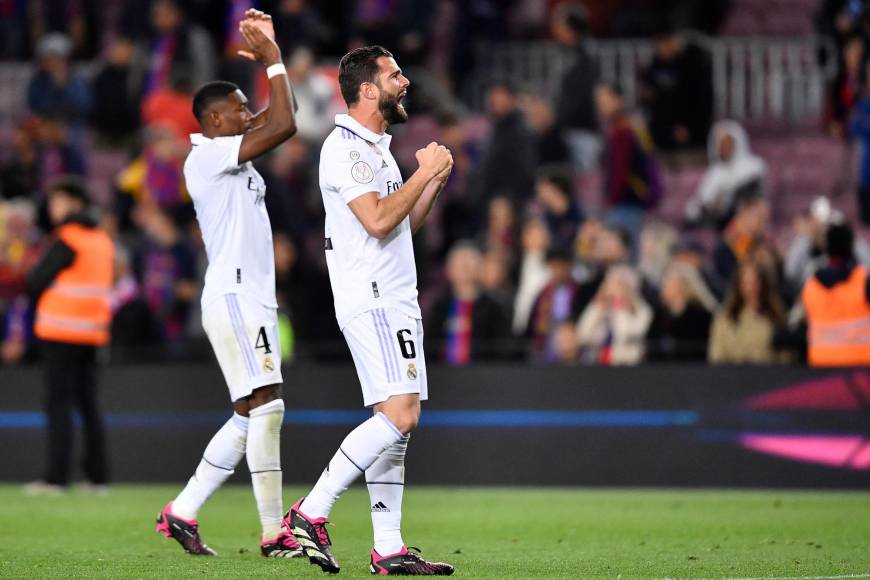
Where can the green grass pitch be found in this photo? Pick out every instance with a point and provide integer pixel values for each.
(485, 532)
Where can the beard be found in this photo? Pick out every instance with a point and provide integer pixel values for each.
(392, 111)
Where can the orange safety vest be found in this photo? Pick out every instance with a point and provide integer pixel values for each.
(839, 321)
(76, 307)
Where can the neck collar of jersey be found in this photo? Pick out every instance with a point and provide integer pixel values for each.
(354, 126)
(198, 138)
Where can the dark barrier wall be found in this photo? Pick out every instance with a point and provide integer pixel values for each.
(674, 426)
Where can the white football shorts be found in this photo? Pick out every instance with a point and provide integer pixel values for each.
(244, 336)
(387, 350)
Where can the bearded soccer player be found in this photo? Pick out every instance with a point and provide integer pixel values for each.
(239, 311)
(371, 215)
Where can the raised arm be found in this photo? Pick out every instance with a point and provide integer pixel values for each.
(381, 216)
(277, 123)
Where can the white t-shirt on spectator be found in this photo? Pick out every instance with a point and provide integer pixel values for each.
(229, 199)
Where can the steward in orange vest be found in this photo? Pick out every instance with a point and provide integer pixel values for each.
(837, 302)
(71, 286)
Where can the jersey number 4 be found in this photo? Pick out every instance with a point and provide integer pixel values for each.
(263, 341)
(406, 346)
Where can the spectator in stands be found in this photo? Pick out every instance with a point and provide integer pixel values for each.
(860, 127)
(501, 234)
(677, 92)
(54, 91)
(732, 168)
(566, 349)
(681, 325)
(743, 329)
(744, 230)
(174, 44)
(845, 89)
(631, 178)
(837, 304)
(133, 324)
(551, 146)
(115, 114)
(59, 152)
(20, 172)
(168, 272)
(613, 327)
(171, 105)
(18, 253)
(289, 179)
(155, 177)
(806, 253)
(533, 272)
(555, 304)
(657, 243)
(575, 106)
(690, 251)
(289, 293)
(495, 282)
(315, 96)
(610, 247)
(454, 217)
(554, 194)
(467, 324)
(507, 166)
(299, 25)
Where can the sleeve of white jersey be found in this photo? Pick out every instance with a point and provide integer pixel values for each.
(222, 154)
(352, 169)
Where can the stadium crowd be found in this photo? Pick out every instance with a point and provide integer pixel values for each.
(511, 265)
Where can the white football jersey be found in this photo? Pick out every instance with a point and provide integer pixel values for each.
(230, 203)
(365, 272)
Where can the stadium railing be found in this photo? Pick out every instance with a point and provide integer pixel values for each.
(753, 77)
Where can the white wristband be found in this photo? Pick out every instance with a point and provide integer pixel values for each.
(276, 69)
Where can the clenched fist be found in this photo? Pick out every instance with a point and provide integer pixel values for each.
(435, 158)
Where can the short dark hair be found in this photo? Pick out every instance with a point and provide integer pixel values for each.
(839, 241)
(208, 94)
(560, 177)
(70, 185)
(359, 66)
(613, 87)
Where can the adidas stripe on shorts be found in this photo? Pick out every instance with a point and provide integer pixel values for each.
(244, 336)
(387, 350)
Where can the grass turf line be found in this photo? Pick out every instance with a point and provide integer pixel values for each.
(485, 532)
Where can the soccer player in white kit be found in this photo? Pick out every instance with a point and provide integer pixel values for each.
(239, 311)
(371, 215)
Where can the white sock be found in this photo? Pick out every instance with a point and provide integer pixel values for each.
(264, 461)
(357, 452)
(386, 482)
(219, 461)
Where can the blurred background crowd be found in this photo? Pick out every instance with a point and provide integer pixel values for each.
(635, 180)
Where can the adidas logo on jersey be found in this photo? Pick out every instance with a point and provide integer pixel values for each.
(380, 507)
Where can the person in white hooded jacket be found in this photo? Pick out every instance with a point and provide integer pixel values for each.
(733, 167)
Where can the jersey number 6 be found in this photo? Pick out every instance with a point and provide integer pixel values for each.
(406, 346)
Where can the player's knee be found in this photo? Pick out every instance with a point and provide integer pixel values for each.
(407, 421)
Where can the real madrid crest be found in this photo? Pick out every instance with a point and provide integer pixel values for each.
(268, 364)
(412, 371)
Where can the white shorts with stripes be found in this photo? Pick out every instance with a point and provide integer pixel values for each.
(387, 350)
(244, 336)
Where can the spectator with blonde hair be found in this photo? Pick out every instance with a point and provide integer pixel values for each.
(681, 325)
(612, 329)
